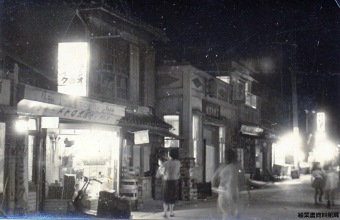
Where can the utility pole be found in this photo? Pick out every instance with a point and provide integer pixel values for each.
(294, 102)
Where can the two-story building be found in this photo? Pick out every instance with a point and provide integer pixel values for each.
(200, 108)
(96, 120)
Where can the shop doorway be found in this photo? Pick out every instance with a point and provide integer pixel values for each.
(210, 134)
(75, 153)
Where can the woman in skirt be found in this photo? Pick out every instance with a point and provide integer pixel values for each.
(171, 169)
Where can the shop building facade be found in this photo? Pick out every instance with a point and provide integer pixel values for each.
(201, 109)
(93, 134)
(214, 114)
(255, 139)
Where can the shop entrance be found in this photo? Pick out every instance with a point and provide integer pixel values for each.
(210, 134)
(73, 153)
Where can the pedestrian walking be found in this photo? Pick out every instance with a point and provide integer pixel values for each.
(331, 184)
(318, 180)
(225, 181)
(171, 174)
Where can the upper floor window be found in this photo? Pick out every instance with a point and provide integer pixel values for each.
(251, 100)
(112, 72)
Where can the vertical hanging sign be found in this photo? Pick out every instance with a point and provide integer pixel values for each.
(73, 58)
(239, 91)
(320, 121)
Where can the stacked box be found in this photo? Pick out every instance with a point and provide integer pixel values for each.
(188, 185)
(188, 189)
(69, 185)
(140, 193)
(189, 194)
(54, 192)
(186, 173)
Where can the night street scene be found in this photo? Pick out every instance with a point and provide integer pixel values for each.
(169, 109)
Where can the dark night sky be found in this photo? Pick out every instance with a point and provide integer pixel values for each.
(251, 30)
(210, 32)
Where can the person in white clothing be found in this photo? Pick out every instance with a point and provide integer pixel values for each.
(171, 174)
(226, 182)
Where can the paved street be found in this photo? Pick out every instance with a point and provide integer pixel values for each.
(281, 200)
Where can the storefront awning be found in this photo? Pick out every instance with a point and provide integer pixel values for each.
(156, 126)
(147, 122)
(41, 102)
(222, 121)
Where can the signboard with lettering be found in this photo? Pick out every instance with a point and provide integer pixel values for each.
(5, 91)
(49, 110)
(55, 98)
(251, 130)
(73, 58)
(141, 137)
(320, 121)
(211, 109)
(238, 91)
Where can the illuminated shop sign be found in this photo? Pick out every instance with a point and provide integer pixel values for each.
(51, 97)
(320, 121)
(36, 101)
(141, 137)
(73, 60)
(251, 130)
(44, 109)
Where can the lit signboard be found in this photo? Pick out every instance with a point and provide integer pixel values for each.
(141, 137)
(73, 58)
(320, 121)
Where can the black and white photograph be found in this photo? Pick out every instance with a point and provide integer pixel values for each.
(170, 109)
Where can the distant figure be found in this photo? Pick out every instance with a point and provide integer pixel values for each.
(318, 179)
(171, 174)
(331, 184)
(226, 182)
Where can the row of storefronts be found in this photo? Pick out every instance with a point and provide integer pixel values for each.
(211, 124)
(50, 140)
(53, 139)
